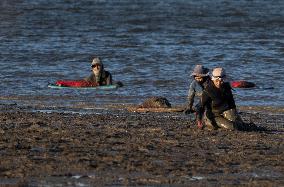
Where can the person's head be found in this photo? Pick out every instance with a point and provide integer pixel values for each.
(97, 65)
(218, 76)
(200, 73)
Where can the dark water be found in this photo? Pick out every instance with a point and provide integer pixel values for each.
(151, 46)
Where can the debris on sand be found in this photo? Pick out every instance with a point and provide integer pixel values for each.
(156, 102)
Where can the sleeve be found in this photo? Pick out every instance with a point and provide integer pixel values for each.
(231, 101)
(191, 95)
(89, 78)
(203, 102)
(109, 79)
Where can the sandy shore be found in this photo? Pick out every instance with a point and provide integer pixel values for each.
(118, 147)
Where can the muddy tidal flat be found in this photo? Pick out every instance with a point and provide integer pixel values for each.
(117, 147)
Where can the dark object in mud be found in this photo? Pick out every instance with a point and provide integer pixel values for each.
(155, 102)
(119, 84)
(251, 127)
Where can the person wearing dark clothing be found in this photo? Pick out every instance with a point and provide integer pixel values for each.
(217, 96)
(99, 77)
(221, 99)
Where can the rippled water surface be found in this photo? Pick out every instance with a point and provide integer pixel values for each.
(151, 46)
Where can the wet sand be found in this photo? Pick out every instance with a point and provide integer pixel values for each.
(118, 147)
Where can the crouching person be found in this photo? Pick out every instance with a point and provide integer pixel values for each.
(200, 76)
(217, 97)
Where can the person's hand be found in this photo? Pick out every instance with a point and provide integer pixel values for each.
(119, 84)
(93, 84)
(96, 84)
(199, 124)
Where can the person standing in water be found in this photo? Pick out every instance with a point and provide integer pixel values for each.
(217, 96)
(99, 76)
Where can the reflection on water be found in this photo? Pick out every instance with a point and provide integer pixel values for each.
(151, 46)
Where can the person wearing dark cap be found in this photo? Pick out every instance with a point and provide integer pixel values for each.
(99, 76)
(217, 96)
(200, 76)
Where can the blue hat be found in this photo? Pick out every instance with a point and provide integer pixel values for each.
(200, 71)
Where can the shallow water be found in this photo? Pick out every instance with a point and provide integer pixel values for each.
(151, 46)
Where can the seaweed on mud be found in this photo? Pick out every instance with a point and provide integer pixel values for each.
(156, 102)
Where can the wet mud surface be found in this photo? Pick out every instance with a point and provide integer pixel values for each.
(117, 147)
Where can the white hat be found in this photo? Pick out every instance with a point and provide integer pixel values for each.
(218, 73)
(96, 60)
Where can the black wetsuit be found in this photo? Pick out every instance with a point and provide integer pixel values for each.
(218, 100)
(105, 78)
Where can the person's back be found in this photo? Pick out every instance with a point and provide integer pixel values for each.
(99, 77)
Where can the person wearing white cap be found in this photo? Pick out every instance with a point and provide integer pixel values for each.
(200, 75)
(99, 76)
(217, 95)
